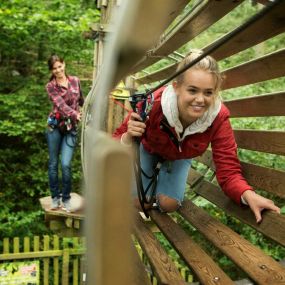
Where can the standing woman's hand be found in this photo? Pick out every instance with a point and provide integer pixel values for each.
(78, 117)
(136, 128)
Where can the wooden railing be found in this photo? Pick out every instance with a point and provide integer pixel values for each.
(61, 260)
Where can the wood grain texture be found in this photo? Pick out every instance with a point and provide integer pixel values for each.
(272, 226)
(164, 269)
(206, 270)
(198, 21)
(261, 268)
(264, 141)
(258, 106)
(258, 70)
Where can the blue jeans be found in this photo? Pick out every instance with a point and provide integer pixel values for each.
(172, 176)
(64, 145)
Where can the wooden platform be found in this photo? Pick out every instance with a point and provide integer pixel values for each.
(62, 222)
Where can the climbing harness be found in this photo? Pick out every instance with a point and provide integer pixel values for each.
(142, 103)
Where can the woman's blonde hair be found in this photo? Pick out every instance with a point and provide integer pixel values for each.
(207, 63)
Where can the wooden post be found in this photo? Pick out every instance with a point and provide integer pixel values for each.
(108, 213)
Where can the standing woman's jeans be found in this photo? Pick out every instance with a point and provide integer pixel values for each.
(64, 145)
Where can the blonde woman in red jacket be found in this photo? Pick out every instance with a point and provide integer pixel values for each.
(185, 119)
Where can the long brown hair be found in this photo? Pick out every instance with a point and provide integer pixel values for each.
(51, 61)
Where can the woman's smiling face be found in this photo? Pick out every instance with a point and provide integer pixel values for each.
(195, 94)
(58, 69)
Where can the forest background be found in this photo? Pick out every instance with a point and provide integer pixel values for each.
(30, 31)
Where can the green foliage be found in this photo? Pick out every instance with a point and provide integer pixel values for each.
(30, 31)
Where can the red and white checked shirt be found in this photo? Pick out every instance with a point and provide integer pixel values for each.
(66, 101)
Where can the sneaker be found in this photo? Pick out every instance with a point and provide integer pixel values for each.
(55, 203)
(66, 205)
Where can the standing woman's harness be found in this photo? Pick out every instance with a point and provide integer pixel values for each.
(146, 102)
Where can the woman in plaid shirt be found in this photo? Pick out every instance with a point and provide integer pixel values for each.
(66, 97)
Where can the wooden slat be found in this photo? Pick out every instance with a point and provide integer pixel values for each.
(194, 177)
(198, 21)
(264, 178)
(140, 276)
(257, 70)
(258, 106)
(207, 159)
(56, 261)
(16, 245)
(108, 212)
(203, 266)
(270, 25)
(75, 262)
(261, 268)
(273, 224)
(264, 141)
(65, 267)
(46, 261)
(163, 267)
(268, 179)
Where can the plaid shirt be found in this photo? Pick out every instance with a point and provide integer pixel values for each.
(66, 101)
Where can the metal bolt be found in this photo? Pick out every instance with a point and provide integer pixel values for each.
(216, 279)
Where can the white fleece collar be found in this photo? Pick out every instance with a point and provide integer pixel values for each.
(170, 111)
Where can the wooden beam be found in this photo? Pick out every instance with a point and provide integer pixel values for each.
(265, 178)
(271, 25)
(108, 218)
(272, 224)
(195, 23)
(264, 141)
(260, 69)
(268, 179)
(164, 269)
(258, 106)
(261, 268)
(203, 266)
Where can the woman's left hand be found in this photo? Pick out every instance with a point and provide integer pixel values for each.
(258, 203)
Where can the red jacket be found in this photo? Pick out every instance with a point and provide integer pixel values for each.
(161, 139)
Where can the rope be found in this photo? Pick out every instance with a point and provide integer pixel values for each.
(120, 104)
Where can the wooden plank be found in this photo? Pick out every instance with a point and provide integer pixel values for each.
(273, 224)
(56, 261)
(206, 270)
(258, 106)
(264, 141)
(46, 261)
(140, 276)
(268, 179)
(207, 159)
(264, 178)
(270, 25)
(194, 177)
(261, 268)
(260, 69)
(65, 267)
(108, 212)
(27, 244)
(16, 245)
(76, 200)
(75, 262)
(164, 269)
(6, 246)
(198, 21)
